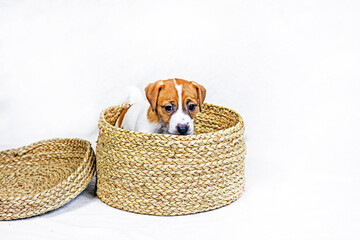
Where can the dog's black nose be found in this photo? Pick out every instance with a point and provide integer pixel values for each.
(182, 128)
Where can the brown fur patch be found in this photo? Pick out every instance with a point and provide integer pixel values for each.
(189, 95)
(152, 116)
(121, 117)
(167, 96)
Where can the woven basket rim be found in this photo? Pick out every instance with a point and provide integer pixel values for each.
(42, 141)
(78, 169)
(239, 126)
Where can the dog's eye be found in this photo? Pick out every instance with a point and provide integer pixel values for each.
(168, 108)
(192, 107)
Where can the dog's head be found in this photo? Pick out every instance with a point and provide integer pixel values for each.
(175, 103)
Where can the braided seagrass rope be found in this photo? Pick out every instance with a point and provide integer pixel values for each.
(43, 176)
(161, 174)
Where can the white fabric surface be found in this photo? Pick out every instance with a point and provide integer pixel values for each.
(291, 68)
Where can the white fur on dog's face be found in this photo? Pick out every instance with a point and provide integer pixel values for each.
(180, 117)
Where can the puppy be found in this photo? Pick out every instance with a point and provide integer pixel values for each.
(170, 108)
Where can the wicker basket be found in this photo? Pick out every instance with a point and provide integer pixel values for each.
(43, 176)
(169, 174)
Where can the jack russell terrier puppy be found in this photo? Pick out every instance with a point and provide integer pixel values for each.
(170, 108)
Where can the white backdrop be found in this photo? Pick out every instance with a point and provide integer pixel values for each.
(290, 68)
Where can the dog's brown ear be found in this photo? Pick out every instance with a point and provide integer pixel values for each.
(152, 92)
(201, 94)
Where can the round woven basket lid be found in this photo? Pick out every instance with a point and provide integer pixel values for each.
(43, 176)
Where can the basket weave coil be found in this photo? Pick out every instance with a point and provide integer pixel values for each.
(43, 176)
(161, 174)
